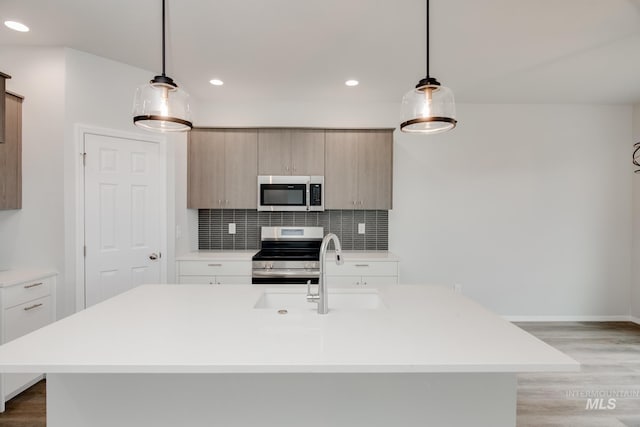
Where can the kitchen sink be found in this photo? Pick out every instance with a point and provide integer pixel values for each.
(339, 299)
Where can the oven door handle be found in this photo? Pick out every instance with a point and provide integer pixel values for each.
(287, 273)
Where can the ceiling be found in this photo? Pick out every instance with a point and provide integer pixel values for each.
(486, 51)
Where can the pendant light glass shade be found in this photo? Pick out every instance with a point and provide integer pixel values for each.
(161, 106)
(428, 109)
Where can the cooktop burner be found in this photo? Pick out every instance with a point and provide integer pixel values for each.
(289, 254)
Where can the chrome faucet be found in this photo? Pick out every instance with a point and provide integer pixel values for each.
(321, 296)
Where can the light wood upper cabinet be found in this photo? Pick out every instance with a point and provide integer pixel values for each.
(291, 152)
(3, 78)
(11, 154)
(359, 165)
(222, 169)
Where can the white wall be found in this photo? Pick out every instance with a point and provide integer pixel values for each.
(528, 207)
(635, 285)
(34, 235)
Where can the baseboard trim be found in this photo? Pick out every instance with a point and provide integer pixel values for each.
(634, 319)
(572, 319)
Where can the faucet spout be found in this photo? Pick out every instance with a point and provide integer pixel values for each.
(323, 305)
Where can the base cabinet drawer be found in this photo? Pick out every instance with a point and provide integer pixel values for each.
(28, 300)
(27, 317)
(363, 268)
(214, 268)
(27, 291)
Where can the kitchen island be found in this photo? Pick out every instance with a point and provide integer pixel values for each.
(166, 355)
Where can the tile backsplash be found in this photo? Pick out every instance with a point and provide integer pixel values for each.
(213, 227)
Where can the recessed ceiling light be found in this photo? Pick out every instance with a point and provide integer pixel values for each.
(17, 26)
(216, 82)
(352, 83)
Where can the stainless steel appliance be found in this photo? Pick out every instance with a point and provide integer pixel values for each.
(288, 255)
(290, 193)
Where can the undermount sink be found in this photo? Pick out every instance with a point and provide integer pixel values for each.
(338, 300)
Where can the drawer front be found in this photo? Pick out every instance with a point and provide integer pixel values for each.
(343, 281)
(215, 268)
(197, 280)
(27, 317)
(363, 268)
(26, 291)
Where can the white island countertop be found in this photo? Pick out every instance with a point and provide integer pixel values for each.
(216, 329)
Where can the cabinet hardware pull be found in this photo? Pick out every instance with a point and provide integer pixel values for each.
(362, 265)
(214, 265)
(33, 285)
(31, 307)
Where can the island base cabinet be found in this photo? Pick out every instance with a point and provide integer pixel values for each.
(282, 400)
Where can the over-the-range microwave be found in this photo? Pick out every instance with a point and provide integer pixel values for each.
(290, 193)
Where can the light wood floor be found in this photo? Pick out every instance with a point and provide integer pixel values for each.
(610, 356)
(608, 351)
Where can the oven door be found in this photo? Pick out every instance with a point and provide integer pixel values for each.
(283, 193)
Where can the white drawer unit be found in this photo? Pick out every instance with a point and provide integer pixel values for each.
(362, 272)
(214, 272)
(28, 300)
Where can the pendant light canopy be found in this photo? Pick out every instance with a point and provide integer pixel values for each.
(160, 105)
(430, 107)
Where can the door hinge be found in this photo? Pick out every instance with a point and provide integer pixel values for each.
(84, 251)
(84, 159)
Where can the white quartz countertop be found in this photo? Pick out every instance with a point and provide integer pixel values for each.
(206, 255)
(12, 277)
(216, 329)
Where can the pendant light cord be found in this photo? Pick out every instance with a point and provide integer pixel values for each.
(163, 42)
(427, 38)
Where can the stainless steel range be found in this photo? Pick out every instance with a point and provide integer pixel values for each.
(288, 255)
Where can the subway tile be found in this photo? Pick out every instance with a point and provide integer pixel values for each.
(213, 227)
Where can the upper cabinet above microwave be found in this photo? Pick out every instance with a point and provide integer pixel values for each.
(222, 168)
(291, 152)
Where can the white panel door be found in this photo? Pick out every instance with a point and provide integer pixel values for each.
(122, 215)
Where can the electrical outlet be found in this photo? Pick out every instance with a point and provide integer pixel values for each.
(232, 228)
(361, 228)
(457, 288)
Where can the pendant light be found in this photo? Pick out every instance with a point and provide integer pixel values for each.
(430, 107)
(160, 105)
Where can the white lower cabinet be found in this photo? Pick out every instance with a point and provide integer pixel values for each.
(362, 273)
(214, 272)
(28, 303)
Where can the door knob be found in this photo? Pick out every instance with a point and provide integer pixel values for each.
(153, 256)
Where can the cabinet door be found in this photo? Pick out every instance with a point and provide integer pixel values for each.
(375, 163)
(379, 280)
(343, 281)
(307, 152)
(205, 169)
(11, 155)
(341, 177)
(274, 152)
(241, 169)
